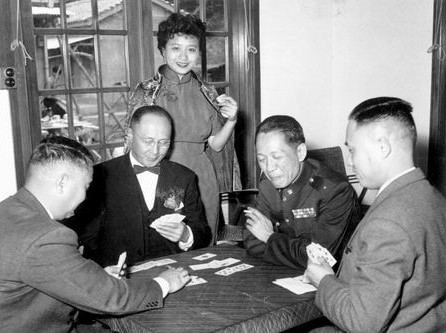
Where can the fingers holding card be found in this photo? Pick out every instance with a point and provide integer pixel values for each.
(314, 251)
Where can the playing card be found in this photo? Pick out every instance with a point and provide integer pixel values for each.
(215, 264)
(116, 269)
(315, 250)
(194, 280)
(204, 256)
(150, 264)
(177, 218)
(231, 270)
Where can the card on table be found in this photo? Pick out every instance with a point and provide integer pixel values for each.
(231, 270)
(215, 264)
(204, 256)
(194, 280)
(314, 251)
(151, 264)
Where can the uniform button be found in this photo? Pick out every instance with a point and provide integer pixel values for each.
(284, 199)
(290, 191)
(287, 220)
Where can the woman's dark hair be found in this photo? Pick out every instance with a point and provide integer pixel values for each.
(183, 25)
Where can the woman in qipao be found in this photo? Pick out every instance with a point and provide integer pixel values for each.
(203, 121)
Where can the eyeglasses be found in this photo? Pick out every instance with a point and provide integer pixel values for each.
(150, 142)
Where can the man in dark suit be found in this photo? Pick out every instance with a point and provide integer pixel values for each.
(43, 276)
(391, 277)
(300, 200)
(122, 201)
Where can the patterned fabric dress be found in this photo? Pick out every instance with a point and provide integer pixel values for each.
(195, 120)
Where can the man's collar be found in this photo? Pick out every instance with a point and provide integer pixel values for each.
(387, 183)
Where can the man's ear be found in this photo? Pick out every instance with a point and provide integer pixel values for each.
(62, 182)
(384, 146)
(302, 151)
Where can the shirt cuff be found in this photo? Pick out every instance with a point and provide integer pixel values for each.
(186, 245)
(163, 284)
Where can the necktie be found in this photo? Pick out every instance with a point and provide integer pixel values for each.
(139, 169)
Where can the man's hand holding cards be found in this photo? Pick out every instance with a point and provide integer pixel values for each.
(170, 226)
(315, 251)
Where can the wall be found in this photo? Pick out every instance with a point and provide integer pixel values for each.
(8, 176)
(321, 58)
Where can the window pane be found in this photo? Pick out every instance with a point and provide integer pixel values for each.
(115, 107)
(113, 61)
(221, 90)
(215, 19)
(83, 69)
(216, 55)
(53, 111)
(79, 14)
(160, 11)
(97, 155)
(46, 16)
(189, 7)
(85, 118)
(159, 60)
(49, 62)
(111, 15)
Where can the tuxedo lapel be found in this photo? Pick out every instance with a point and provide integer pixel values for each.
(127, 189)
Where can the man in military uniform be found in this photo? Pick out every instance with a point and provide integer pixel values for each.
(300, 200)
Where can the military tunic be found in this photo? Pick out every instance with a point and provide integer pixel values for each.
(320, 207)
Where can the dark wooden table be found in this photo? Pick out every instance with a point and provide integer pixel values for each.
(245, 301)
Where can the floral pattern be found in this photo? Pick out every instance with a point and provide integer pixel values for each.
(173, 198)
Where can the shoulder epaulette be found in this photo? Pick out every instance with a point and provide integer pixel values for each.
(318, 183)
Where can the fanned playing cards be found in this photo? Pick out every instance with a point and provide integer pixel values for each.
(314, 251)
(177, 218)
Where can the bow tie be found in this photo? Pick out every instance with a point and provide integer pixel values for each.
(138, 169)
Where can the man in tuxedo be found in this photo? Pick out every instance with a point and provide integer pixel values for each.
(391, 277)
(43, 276)
(300, 200)
(130, 192)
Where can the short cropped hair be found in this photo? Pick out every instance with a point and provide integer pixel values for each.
(181, 24)
(59, 149)
(386, 108)
(287, 125)
(150, 109)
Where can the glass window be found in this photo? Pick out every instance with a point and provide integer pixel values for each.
(216, 59)
(215, 15)
(79, 14)
(113, 61)
(111, 15)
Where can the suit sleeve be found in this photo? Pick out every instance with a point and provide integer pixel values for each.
(53, 265)
(337, 208)
(195, 216)
(373, 294)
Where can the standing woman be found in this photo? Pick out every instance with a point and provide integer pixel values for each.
(203, 121)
